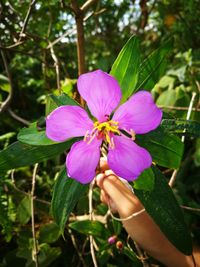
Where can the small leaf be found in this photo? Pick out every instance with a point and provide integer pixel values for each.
(24, 210)
(167, 98)
(64, 100)
(50, 105)
(47, 255)
(117, 227)
(125, 67)
(166, 149)
(87, 227)
(162, 206)
(66, 194)
(151, 67)
(49, 233)
(32, 136)
(145, 181)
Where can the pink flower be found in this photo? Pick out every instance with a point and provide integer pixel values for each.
(138, 115)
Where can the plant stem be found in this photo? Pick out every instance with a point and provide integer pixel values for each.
(35, 248)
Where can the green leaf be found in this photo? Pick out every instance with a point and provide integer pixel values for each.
(166, 149)
(66, 194)
(47, 255)
(125, 67)
(32, 136)
(183, 127)
(50, 105)
(19, 155)
(162, 206)
(145, 181)
(87, 227)
(24, 210)
(64, 99)
(49, 233)
(167, 98)
(117, 227)
(151, 66)
(131, 255)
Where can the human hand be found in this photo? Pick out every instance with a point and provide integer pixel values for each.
(116, 192)
(141, 228)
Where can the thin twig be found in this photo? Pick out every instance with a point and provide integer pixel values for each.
(71, 31)
(141, 256)
(87, 4)
(18, 118)
(189, 113)
(31, 5)
(190, 208)
(84, 217)
(14, 45)
(178, 108)
(175, 172)
(198, 85)
(35, 247)
(91, 218)
(25, 193)
(57, 67)
(77, 249)
(4, 105)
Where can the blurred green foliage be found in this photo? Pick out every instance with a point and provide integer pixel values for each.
(108, 27)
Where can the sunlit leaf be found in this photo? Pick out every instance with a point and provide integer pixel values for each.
(126, 66)
(152, 67)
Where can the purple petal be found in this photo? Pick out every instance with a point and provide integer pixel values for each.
(101, 92)
(139, 113)
(82, 160)
(127, 159)
(66, 122)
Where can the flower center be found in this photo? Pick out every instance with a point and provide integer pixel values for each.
(104, 130)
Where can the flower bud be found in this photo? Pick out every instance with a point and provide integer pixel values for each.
(112, 239)
(119, 245)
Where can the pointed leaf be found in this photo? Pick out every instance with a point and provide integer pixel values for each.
(87, 227)
(32, 136)
(64, 99)
(125, 67)
(19, 155)
(152, 66)
(66, 194)
(145, 181)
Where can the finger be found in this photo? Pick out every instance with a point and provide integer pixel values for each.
(104, 197)
(125, 201)
(99, 179)
(107, 200)
(103, 164)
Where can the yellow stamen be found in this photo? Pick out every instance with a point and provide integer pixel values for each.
(105, 130)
